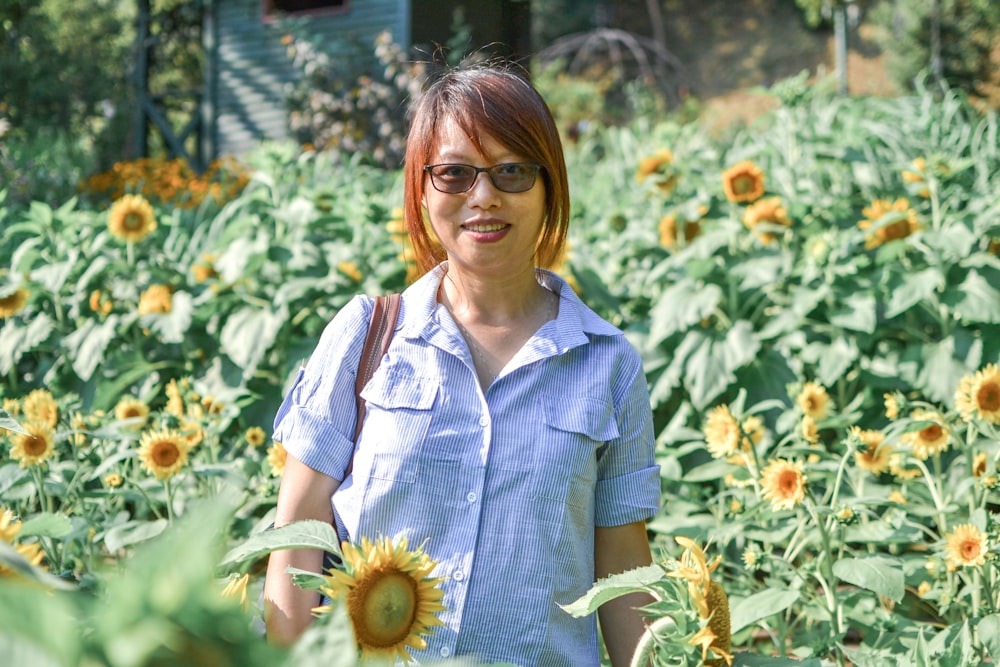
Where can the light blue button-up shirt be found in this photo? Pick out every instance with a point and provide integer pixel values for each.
(506, 485)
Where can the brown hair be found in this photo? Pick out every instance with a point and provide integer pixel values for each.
(502, 103)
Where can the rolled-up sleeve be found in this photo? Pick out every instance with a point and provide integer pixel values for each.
(316, 420)
(628, 477)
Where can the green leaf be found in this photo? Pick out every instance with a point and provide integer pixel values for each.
(747, 611)
(879, 574)
(856, 313)
(9, 423)
(710, 363)
(133, 532)
(172, 327)
(298, 535)
(681, 305)
(613, 587)
(975, 300)
(248, 334)
(16, 340)
(988, 630)
(86, 345)
(12, 559)
(908, 290)
(47, 524)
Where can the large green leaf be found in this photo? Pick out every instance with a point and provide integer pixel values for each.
(681, 305)
(748, 611)
(976, 300)
(16, 340)
(298, 535)
(880, 574)
(856, 313)
(46, 524)
(710, 362)
(249, 333)
(9, 423)
(907, 290)
(172, 327)
(133, 532)
(613, 587)
(988, 630)
(86, 346)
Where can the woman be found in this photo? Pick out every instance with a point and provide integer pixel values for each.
(508, 425)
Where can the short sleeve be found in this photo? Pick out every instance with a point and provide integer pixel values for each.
(316, 420)
(628, 477)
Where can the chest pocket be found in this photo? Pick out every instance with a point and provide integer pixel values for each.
(399, 409)
(566, 455)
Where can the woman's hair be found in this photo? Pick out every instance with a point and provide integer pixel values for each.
(499, 102)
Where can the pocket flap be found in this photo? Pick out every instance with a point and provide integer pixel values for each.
(389, 390)
(592, 417)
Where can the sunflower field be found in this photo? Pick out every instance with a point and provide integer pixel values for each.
(816, 298)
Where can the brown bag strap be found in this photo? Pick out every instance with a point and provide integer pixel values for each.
(380, 330)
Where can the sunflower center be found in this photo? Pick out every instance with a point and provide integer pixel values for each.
(789, 482)
(164, 454)
(988, 397)
(970, 550)
(34, 445)
(743, 184)
(931, 433)
(383, 608)
(133, 222)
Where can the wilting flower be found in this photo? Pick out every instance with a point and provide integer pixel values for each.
(783, 484)
(979, 462)
(743, 182)
(39, 406)
(813, 400)
(255, 436)
(905, 225)
(131, 218)
(874, 455)
(978, 395)
(9, 530)
(390, 598)
(34, 446)
(133, 409)
(237, 588)
(14, 302)
(670, 231)
(965, 546)
(276, 457)
(351, 270)
(157, 299)
(770, 211)
(658, 165)
(931, 439)
(709, 598)
(163, 453)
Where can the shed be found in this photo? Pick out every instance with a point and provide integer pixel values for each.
(247, 68)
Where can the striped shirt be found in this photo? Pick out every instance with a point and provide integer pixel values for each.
(506, 485)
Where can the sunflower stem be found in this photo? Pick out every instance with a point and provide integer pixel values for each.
(170, 500)
(935, 496)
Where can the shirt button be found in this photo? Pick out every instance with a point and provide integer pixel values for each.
(445, 651)
(471, 497)
(458, 576)
(484, 421)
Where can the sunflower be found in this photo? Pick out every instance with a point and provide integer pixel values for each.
(965, 546)
(979, 463)
(722, 432)
(237, 588)
(709, 598)
(14, 302)
(203, 272)
(157, 299)
(39, 406)
(743, 182)
(112, 480)
(192, 433)
(902, 227)
(391, 599)
(276, 457)
(809, 430)
(978, 395)
(132, 409)
(99, 304)
(891, 406)
(783, 483)
(931, 439)
(769, 211)
(874, 455)
(175, 402)
(919, 173)
(131, 218)
(163, 453)
(814, 400)
(9, 529)
(896, 496)
(33, 447)
(351, 270)
(669, 229)
(659, 165)
(255, 436)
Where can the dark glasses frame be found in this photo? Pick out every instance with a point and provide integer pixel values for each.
(496, 177)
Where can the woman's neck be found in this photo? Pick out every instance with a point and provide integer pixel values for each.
(493, 300)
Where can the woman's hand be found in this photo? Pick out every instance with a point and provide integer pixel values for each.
(619, 549)
(304, 494)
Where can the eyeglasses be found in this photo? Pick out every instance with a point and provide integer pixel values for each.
(455, 179)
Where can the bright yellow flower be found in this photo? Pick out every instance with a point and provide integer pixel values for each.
(709, 598)
(722, 432)
(13, 303)
(931, 439)
(670, 232)
(99, 304)
(192, 433)
(237, 588)
(979, 462)
(131, 219)
(33, 447)
(743, 182)
(897, 497)
(175, 402)
(919, 174)
(163, 453)
(899, 229)
(112, 480)
(978, 395)
(157, 299)
(814, 400)
(132, 408)
(9, 529)
(658, 165)
(391, 599)
(351, 270)
(255, 436)
(769, 211)
(876, 455)
(276, 457)
(924, 588)
(891, 406)
(11, 406)
(39, 406)
(809, 430)
(965, 546)
(783, 484)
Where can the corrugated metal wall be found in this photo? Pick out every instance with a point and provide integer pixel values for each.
(252, 67)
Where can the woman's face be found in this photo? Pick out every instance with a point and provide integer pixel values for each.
(483, 229)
